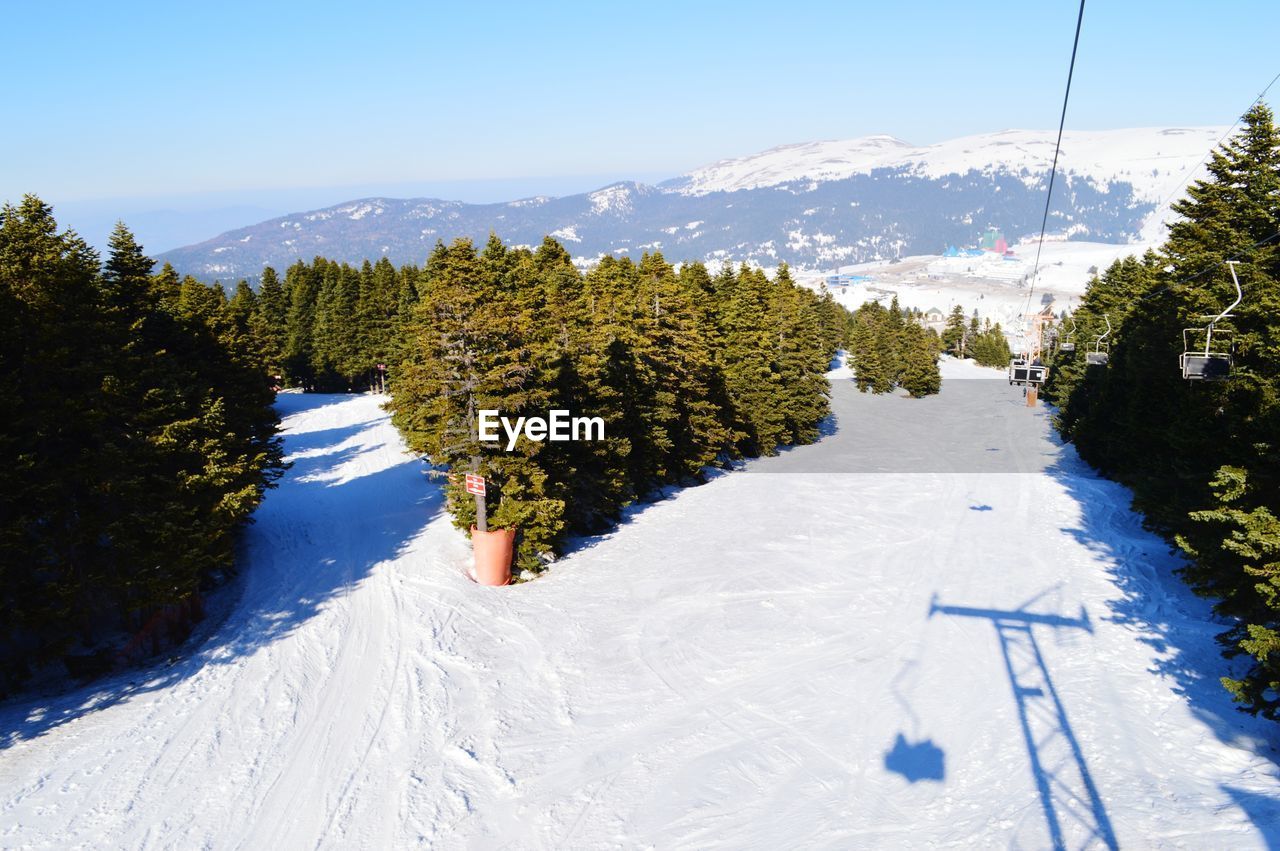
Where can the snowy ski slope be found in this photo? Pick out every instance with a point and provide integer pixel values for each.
(933, 627)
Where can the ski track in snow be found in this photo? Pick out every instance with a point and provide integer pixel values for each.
(814, 651)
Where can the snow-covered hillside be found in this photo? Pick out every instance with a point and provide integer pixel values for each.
(1153, 160)
(932, 282)
(933, 627)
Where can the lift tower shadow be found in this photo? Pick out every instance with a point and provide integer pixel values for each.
(1066, 787)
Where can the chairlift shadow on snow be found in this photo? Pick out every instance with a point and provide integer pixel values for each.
(1157, 603)
(303, 585)
(916, 761)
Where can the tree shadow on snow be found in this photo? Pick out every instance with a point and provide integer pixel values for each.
(578, 542)
(1263, 811)
(1158, 606)
(284, 581)
(311, 443)
(828, 427)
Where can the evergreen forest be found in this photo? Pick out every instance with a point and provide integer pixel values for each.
(139, 434)
(985, 342)
(889, 348)
(136, 436)
(689, 370)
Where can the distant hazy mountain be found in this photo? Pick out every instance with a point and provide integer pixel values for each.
(814, 205)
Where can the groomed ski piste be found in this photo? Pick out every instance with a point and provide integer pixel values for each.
(934, 627)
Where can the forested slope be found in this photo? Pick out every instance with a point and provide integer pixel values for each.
(1202, 457)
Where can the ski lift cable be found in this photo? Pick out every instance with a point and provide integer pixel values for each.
(1221, 263)
(1218, 144)
(1183, 183)
(1237, 258)
(1057, 149)
(1176, 189)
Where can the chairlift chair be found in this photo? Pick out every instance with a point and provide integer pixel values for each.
(1206, 364)
(1068, 345)
(1101, 351)
(1027, 374)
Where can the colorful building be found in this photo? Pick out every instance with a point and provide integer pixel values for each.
(993, 240)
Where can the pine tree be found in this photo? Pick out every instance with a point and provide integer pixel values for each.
(166, 288)
(376, 316)
(241, 308)
(1248, 535)
(270, 322)
(920, 375)
(953, 335)
(805, 347)
(55, 360)
(752, 377)
(302, 285)
(467, 353)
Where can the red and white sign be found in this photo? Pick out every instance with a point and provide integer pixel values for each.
(475, 484)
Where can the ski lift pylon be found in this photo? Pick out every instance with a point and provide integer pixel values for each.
(1206, 364)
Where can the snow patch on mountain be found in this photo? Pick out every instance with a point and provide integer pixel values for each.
(359, 211)
(569, 233)
(611, 199)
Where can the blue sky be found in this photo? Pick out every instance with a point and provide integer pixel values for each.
(277, 105)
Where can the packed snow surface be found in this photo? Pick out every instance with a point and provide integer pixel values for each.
(933, 627)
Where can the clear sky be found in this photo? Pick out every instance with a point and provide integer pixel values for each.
(252, 103)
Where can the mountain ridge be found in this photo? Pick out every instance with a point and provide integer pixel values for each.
(811, 204)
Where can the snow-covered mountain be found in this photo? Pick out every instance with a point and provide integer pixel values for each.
(813, 205)
(1151, 160)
